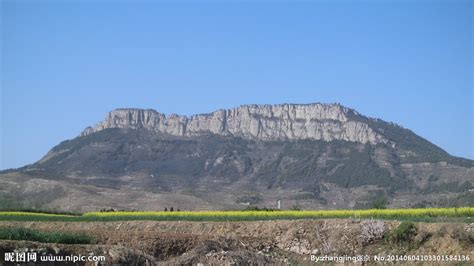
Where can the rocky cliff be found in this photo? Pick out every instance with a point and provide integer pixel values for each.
(258, 122)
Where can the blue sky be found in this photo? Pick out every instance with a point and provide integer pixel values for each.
(65, 64)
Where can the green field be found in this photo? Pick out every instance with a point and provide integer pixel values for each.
(427, 214)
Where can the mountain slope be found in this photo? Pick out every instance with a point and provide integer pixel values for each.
(313, 156)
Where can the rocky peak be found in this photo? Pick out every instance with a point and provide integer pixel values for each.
(261, 122)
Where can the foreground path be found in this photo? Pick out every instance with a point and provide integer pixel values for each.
(260, 242)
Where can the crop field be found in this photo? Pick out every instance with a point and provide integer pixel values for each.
(427, 214)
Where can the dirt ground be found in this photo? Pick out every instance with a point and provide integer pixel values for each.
(256, 242)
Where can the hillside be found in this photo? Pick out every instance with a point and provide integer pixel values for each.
(309, 156)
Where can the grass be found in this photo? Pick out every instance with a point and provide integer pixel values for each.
(426, 214)
(18, 233)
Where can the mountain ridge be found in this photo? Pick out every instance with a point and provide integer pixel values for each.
(262, 122)
(252, 154)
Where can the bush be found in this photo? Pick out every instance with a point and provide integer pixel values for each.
(404, 233)
(372, 231)
(12, 233)
(256, 208)
(107, 210)
(296, 208)
(380, 203)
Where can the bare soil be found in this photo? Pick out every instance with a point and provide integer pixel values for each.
(257, 242)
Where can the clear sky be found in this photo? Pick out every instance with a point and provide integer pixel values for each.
(65, 64)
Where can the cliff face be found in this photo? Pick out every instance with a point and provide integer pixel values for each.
(258, 122)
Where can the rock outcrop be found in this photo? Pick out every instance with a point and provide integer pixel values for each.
(258, 122)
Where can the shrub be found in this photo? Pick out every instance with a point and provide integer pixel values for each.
(372, 231)
(404, 233)
(380, 203)
(107, 210)
(256, 208)
(296, 208)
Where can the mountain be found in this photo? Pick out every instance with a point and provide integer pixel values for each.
(307, 155)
